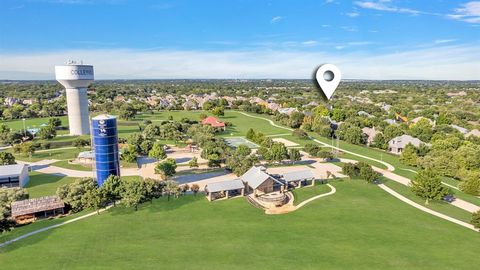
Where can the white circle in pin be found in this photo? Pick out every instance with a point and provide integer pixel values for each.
(328, 77)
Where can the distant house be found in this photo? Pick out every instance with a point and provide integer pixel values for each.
(225, 189)
(462, 130)
(391, 121)
(15, 175)
(26, 211)
(259, 182)
(473, 132)
(397, 144)
(287, 111)
(364, 113)
(371, 133)
(212, 121)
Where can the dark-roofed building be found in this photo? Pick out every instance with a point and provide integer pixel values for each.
(259, 182)
(15, 175)
(299, 178)
(26, 211)
(225, 189)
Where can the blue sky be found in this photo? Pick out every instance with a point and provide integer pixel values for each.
(381, 39)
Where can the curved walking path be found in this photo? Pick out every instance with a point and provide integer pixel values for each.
(289, 207)
(6, 243)
(332, 191)
(425, 209)
(388, 173)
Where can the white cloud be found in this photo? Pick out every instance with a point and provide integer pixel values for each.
(310, 43)
(353, 14)
(276, 19)
(468, 12)
(444, 62)
(385, 6)
(443, 41)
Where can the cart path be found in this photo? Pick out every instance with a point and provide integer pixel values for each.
(425, 209)
(6, 243)
(332, 191)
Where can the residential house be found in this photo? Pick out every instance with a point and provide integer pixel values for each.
(473, 132)
(371, 133)
(462, 130)
(397, 144)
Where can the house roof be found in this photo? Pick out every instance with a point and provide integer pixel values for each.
(31, 206)
(11, 170)
(404, 140)
(212, 121)
(460, 129)
(298, 175)
(473, 132)
(225, 185)
(256, 176)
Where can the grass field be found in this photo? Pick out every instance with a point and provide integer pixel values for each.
(45, 184)
(359, 227)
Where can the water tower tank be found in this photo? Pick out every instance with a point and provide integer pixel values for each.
(76, 78)
(105, 146)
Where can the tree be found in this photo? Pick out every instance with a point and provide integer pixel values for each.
(129, 154)
(203, 116)
(171, 188)
(80, 142)
(127, 112)
(185, 188)
(296, 119)
(195, 188)
(193, 163)
(351, 170)
(475, 221)
(7, 158)
(471, 183)
(409, 155)
(218, 111)
(251, 135)
(112, 189)
(243, 150)
(214, 160)
(72, 193)
(367, 173)
(391, 132)
(47, 133)
(133, 192)
(55, 122)
(27, 148)
(166, 168)
(379, 141)
(93, 199)
(157, 151)
(294, 155)
(427, 185)
(421, 130)
(7, 196)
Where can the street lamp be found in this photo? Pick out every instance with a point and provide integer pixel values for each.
(24, 129)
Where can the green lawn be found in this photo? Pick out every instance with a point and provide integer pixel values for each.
(60, 154)
(439, 206)
(360, 227)
(79, 167)
(45, 184)
(308, 192)
(32, 122)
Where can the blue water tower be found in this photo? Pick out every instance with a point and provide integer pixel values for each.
(105, 147)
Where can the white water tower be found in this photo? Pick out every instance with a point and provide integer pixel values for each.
(76, 78)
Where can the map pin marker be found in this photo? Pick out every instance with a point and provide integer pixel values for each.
(328, 77)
